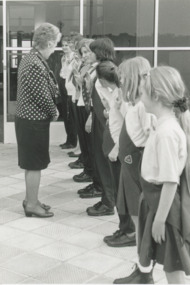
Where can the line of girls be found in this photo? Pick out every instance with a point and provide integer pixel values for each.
(153, 147)
(135, 124)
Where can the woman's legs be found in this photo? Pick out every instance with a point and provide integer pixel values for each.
(32, 180)
(176, 277)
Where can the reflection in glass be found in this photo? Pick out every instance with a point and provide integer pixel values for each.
(122, 55)
(174, 23)
(179, 60)
(126, 22)
(24, 16)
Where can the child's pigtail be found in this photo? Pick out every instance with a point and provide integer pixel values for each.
(184, 119)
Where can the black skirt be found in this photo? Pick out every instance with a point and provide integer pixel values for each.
(33, 143)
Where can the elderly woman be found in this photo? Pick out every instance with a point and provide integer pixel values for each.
(36, 96)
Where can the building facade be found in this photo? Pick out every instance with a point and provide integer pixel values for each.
(156, 29)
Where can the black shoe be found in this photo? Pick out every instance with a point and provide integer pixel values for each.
(82, 177)
(136, 277)
(91, 193)
(44, 206)
(62, 144)
(33, 213)
(72, 154)
(76, 164)
(86, 189)
(95, 206)
(122, 240)
(116, 234)
(67, 146)
(100, 209)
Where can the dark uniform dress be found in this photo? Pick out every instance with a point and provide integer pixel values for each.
(129, 186)
(83, 112)
(100, 161)
(126, 224)
(166, 153)
(174, 252)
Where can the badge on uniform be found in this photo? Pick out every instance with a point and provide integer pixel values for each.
(128, 159)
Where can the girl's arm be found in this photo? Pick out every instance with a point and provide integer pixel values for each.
(114, 153)
(88, 125)
(147, 120)
(166, 199)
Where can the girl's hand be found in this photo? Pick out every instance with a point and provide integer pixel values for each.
(88, 124)
(78, 79)
(158, 231)
(106, 114)
(113, 153)
(88, 81)
(105, 103)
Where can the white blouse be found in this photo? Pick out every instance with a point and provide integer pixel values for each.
(139, 123)
(65, 72)
(116, 116)
(165, 152)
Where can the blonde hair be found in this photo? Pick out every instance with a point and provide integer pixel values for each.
(43, 34)
(131, 70)
(84, 43)
(167, 84)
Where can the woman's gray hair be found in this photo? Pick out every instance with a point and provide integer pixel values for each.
(43, 34)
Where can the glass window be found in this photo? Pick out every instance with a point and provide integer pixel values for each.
(179, 60)
(122, 55)
(174, 23)
(126, 22)
(24, 16)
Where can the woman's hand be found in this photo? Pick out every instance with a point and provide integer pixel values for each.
(54, 119)
(88, 125)
(113, 153)
(158, 231)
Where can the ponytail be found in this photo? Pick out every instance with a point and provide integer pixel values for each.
(108, 70)
(184, 119)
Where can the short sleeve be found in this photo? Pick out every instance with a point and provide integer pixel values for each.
(146, 119)
(167, 160)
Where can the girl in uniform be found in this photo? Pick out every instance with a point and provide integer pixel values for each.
(164, 230)
(133, 136)
(83, 112)
(165, 188)
(107, 74)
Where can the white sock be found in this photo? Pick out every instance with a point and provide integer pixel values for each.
(144, 269)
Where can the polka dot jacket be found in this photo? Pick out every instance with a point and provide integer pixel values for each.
(37, 89)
